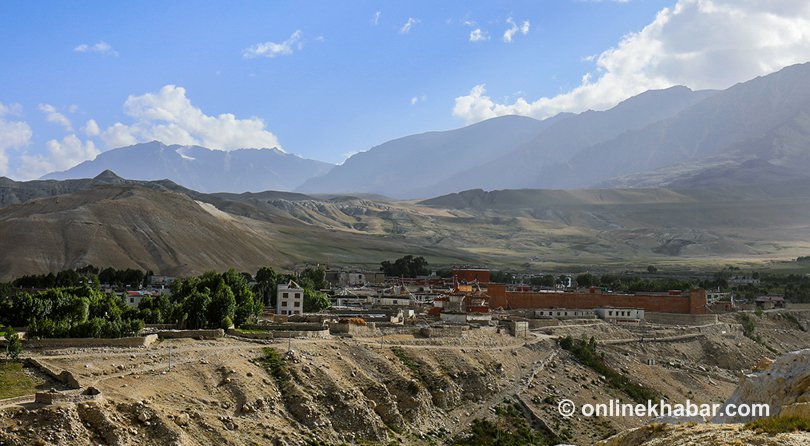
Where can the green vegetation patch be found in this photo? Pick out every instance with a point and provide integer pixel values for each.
(408, 362)
(511, 427)
(792, 318)
(585, 352)
(778, 425)
(273, 362)
(13, 380)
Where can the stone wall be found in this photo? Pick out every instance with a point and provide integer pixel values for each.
(194, 334)
(135, 341)
(443, 331)
(63, 376)
(680, 319)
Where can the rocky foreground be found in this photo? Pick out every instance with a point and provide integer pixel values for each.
(408, 390)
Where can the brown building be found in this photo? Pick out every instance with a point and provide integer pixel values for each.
(688, 302)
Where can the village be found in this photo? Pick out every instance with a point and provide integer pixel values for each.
(417, 360)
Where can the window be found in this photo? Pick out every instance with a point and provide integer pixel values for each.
(283, 303)
(395, 301)
(132, 300)
(297, 304)
(297, 295)
(610, 313)
(285, 295)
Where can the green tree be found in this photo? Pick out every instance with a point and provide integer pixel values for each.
(265, 288)
(587, 280)
(221, 305)
(14, 345)
(406, 266)
(315, 301)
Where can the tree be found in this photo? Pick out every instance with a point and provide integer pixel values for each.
(13, 343)
(221, 305)
(406, 266)
(315, 301)
(587, 280)
(652, 269)
(265, 288)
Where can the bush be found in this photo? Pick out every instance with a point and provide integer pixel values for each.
(226, 323)
(778, 425)
(13, 344)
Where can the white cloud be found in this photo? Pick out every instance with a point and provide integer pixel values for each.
(52, 115)
(514, 29)
(477, 35)
(61, 155)
(11, 109)
(13, 134)
(168, 116)
(101, 47)
(417, 99)
(91, 128)
(273, 49)
(698, 43)
(375, 19)
(406, 28)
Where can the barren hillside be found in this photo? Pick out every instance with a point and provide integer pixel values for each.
(402, 388)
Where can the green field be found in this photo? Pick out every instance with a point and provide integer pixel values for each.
(14, 381)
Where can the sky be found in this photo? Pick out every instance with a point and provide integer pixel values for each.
(326, 79)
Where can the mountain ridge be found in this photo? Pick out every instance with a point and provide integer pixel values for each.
(201, 168)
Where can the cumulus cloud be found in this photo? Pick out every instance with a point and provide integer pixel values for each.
(477, 35)
(169, 116)
(13, 134)
(514, 29)
(406, 28)
(101, 47)
(698, 43)
(52, 115)
(273, 49)
(91, 128)
(61, 155)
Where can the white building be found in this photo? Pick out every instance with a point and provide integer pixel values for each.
(290, 299)
(619, 314)
(563, 313)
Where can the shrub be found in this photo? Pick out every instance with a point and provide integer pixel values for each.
(13, 344)
(778, 425)
(226, 323)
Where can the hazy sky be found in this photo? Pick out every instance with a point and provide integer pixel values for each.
(324, 79)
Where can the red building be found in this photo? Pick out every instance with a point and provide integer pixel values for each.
(470, 275)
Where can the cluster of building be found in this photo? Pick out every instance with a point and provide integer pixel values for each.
(470, 297)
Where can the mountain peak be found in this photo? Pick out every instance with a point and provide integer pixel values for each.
(108, 177)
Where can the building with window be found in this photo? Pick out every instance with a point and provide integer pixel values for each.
(290, 299)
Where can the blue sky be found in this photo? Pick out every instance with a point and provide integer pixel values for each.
(327, 78)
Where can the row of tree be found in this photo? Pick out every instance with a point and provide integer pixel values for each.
(78, 308)
(89, 274)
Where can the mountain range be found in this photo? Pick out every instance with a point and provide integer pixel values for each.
(673, 137)
(202, 169)
(751, 132)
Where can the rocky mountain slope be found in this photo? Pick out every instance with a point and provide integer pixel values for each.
(202, 169)
(47, 226)
(752, 132)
